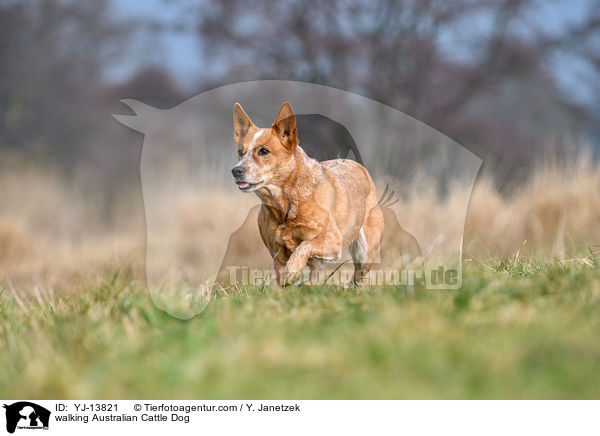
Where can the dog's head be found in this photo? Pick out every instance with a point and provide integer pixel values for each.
(266, 156)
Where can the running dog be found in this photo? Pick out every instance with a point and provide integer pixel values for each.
(310, 210)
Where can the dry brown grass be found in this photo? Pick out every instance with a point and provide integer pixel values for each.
(54, 231)
(556, 213)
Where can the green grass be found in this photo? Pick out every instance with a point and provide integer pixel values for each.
(523, 329)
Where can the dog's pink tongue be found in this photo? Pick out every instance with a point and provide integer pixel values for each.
(244, 185)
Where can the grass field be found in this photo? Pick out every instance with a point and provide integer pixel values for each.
(517, 329)
(76, 320)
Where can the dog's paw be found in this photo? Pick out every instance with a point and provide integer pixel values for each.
(290, 276)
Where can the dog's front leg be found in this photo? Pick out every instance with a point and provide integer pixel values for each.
(327, 246)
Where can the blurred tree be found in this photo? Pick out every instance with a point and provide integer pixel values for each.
(52, 57)
(480, 71)
(151, 85)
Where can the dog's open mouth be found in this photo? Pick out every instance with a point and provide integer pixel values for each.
(245, 186)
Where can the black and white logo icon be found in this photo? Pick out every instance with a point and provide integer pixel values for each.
(26, 415)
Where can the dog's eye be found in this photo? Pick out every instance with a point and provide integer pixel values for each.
(240, 152)
(263, 151)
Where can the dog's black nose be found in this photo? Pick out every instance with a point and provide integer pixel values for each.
(237, 171)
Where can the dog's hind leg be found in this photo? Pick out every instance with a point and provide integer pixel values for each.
(358, 251)
(365, 246)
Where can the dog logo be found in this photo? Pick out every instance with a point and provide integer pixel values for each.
(26, 415)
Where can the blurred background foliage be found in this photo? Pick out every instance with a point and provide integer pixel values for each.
(512, 80)
(515, 81)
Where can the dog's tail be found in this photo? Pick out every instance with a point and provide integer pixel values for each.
(388, 198)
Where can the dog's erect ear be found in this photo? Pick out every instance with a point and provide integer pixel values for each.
(285, 126)
(241, 122)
